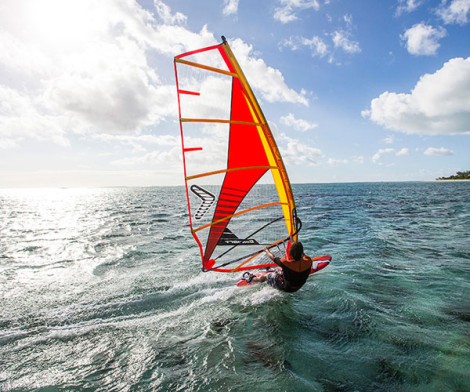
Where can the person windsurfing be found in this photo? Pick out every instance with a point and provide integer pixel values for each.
(292, 272)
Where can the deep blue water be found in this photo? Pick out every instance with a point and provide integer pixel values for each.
(101, 289)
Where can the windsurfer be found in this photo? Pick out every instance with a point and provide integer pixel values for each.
(292, 272)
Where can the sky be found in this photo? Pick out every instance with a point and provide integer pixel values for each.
(354, 91)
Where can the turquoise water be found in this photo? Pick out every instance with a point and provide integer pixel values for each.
(101, 289)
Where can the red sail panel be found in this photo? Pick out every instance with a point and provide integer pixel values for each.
(245, 150)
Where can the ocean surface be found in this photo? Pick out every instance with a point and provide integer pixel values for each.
(101, 289)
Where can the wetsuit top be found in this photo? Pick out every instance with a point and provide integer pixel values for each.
(296, 276)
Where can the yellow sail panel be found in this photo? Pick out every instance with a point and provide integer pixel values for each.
(281, 178)
(283, 187)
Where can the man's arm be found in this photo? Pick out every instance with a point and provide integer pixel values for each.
(277, 260)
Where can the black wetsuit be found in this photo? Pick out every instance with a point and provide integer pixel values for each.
(287, 280)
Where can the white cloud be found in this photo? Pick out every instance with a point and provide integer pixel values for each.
(380, 153)
(441, 151)
(422, 39)
(315, 44)
(457, 12)
(64, 72)
(297, 152)
(21, 119)
(119, 97)
(258, 73)
(385, 151)
(230, 7)
(76, 73)
(348, 19)
(390, 139)
(293, 43)
(439, 104)
(402, 152)
(342, 41)
(297, 123)
(407, 6)
(164, 12)
(287, 12)
(172, 39)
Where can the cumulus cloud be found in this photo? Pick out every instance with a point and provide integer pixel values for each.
(230, 7)
(121, 97)
(423, 39)
(457, 12)
(73, 73)
(22, 119)
(64, 72)
(441, 151)
(296, 152)
(439, 104)
(287, 12)
(258, 72)
(297, 123)
(165, 14)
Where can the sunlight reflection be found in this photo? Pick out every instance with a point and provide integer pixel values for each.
(44, 226)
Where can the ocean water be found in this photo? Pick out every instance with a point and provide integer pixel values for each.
(101, 289)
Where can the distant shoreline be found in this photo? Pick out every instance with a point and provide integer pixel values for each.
(459, 176)
(452, 180)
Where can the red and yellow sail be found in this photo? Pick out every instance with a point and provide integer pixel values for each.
(239, 195)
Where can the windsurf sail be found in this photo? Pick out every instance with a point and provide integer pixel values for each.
(239, 197)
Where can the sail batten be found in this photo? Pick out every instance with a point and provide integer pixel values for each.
(212, 173)
(236, 181)
(218, 120)
(208, 68)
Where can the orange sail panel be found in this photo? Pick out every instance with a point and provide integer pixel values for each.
(238, 192)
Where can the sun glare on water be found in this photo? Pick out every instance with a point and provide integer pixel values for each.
(48, 226)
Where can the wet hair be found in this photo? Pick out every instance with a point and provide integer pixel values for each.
(297, 251)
